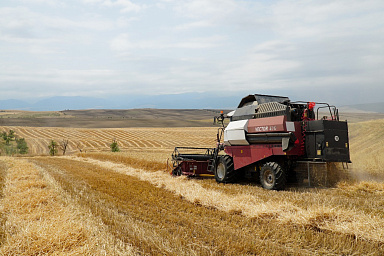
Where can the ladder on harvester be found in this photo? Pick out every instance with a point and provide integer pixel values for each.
(213, 161)
(219, 147)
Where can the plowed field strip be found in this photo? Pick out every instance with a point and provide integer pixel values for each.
(177, 226)
(40, 146)
(99, 135)
(24, 133)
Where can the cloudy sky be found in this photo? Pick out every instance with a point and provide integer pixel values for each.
(102, 48)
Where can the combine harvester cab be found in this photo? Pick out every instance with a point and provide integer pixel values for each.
(269, 136)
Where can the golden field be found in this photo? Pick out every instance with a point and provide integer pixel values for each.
(129, 139)
(94, 202)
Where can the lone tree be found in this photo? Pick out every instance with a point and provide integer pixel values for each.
(114, 146)
(8, 137)
(11, 134)
(64, 145)
(22, 146)
(81, 149)
(52, 147)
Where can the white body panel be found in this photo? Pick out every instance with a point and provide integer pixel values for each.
(234, 134)
(290, 126)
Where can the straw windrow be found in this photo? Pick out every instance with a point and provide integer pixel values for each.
(37, 219)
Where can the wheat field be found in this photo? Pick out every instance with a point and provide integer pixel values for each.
(94, 202)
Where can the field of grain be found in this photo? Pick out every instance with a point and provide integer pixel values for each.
(95, 202)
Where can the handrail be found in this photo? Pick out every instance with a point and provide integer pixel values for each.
(334, 116)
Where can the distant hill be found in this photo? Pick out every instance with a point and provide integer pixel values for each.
(14, 104)
(110, 118)
(172, 101)
(369, 107)
(169, 101)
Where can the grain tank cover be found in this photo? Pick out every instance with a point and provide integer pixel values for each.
(257, 99)
(249, 104)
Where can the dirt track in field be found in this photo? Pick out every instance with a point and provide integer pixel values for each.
(155, 220)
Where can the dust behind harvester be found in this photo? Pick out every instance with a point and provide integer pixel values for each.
(269, 137)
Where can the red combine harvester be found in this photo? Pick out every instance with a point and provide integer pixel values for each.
(268, 136)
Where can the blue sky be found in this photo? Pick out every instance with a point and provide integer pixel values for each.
(102, 48)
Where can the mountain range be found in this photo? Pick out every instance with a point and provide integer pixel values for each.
(173, 101)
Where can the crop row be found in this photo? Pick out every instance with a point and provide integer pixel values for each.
(90, 140)
(146, 214)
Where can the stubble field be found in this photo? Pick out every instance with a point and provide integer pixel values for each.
(95, 202)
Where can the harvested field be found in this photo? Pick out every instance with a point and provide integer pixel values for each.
(366, 139)
(149, 214)
(129, 139)
(126, 203)
(109, 118)
(39, 220)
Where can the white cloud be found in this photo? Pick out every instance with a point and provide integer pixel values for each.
(125, 5)
(194, 25)
(124, 45)
(55, 3)
(326, 18)
(227, 13)
(57, 76)
(210, 8)
(21, 22)
(176, 46)
(121, 43)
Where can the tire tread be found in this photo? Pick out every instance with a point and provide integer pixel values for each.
(280, 177)
(231, 174)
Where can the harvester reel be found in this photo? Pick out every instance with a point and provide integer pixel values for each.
(272, 176)
(225, 172)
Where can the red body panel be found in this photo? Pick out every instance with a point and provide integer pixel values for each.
(267, 124)
(194, 168)
(246, 155)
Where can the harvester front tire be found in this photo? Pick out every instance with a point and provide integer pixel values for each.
(272, 176)
(225, 172)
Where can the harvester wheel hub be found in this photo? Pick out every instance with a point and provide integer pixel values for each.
(269, 177)
(220, 172)
(272, 176)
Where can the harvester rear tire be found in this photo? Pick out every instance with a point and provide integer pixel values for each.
(272, 176)
(225, 172)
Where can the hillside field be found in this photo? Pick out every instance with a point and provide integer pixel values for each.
(94, 202)
(123, 118)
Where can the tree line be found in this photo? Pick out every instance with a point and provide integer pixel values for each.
(54, 146)
(11, 144)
